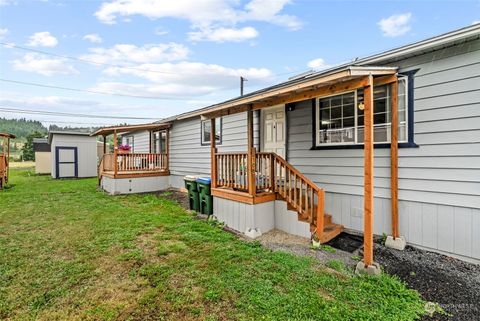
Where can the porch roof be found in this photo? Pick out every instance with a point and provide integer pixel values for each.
(129, 128)
(7, 135)
(298, 89)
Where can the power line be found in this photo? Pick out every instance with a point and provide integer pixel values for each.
(8, 45)
(73, 122)
(53, 113)
(87, 90)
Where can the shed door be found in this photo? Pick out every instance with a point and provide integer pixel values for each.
(274, 130)
(67, 162)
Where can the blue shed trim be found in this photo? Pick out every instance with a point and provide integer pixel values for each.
(57, 162)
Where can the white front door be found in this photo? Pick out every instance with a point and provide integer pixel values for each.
(274, 130)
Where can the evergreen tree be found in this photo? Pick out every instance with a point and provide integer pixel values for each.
(28, 154)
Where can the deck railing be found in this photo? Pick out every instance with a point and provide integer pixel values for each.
(271, 174)
(141, 162)
(133, 162)
(232, 170)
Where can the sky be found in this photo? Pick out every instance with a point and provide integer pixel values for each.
(149, 59)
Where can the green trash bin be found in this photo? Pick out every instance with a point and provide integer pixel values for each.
(193, 197)
(205, 195)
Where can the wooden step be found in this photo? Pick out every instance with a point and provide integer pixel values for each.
(330, 231)
(304, 218)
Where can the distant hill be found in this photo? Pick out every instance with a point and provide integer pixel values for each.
(21, 127)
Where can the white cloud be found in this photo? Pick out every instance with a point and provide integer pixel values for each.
(131, 53)
(475, 22)
(93, 37)
(318, 64)
(160, 31)
(42, 39)
(44, 65)
(182, 79)
(223, 34)
(269, 11)
(395, 25)
(3, 32)
(203, 15)
(7, 2)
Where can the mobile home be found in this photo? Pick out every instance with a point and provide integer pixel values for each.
(389, 144)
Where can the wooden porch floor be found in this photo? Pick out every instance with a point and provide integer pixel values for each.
(136, 174)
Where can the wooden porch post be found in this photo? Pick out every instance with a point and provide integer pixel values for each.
(167, 147)
(104, 144)
(115, 153)
(368, 173)
(394, 161)
(213, 152)
(252, 189)
(7, 161)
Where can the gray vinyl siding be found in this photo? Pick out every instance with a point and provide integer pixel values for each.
(439, 182)
(189, 157)
(445, 169)
(141, 141)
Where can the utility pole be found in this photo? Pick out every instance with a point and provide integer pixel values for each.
(242, 80)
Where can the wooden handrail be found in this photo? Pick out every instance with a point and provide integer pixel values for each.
(271, 173)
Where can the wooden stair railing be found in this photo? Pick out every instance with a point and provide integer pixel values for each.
(274, 174)
(305, 197)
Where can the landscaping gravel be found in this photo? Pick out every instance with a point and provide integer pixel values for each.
(452, 283)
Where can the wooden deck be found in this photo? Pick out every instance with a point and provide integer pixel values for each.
(136, 174)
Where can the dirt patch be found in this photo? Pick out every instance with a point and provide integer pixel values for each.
(176, 196)
(281, 241)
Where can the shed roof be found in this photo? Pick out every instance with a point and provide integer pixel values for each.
(41, 145)
(59, 132)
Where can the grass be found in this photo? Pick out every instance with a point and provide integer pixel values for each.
(69, 251)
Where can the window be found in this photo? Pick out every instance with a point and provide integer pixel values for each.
(129, 141)
(206, 128)
(340, 117)
(159, 142)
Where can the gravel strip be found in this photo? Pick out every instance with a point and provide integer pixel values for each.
(452, 283)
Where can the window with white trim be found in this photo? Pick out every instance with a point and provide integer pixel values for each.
(129, 141)
(159, 142)
(206, 131)
(340, 117)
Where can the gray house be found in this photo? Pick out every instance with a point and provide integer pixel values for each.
(389, 144)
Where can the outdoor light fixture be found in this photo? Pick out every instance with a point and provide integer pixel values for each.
(361, 106)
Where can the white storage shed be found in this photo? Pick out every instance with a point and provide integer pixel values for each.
(74, 154)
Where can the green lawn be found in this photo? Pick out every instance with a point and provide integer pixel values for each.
(69, 251)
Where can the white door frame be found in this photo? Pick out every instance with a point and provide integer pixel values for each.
(262, 127)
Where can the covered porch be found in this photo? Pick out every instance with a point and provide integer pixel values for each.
(257, 177)
(125, 163)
